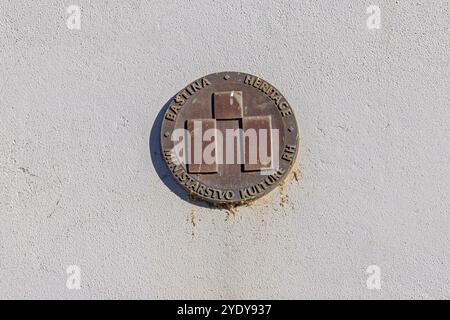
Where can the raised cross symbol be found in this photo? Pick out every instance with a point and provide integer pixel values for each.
(228, 112)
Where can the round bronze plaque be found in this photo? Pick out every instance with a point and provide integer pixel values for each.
(229, 137)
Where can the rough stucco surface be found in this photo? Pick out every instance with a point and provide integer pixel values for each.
(78, 185)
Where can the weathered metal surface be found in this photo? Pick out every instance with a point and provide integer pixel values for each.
(240, 140)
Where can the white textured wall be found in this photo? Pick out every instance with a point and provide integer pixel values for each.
(78, 184)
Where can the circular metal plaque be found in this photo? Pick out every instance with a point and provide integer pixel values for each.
(229, 138)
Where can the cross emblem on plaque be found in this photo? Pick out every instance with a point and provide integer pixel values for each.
(228, 112)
